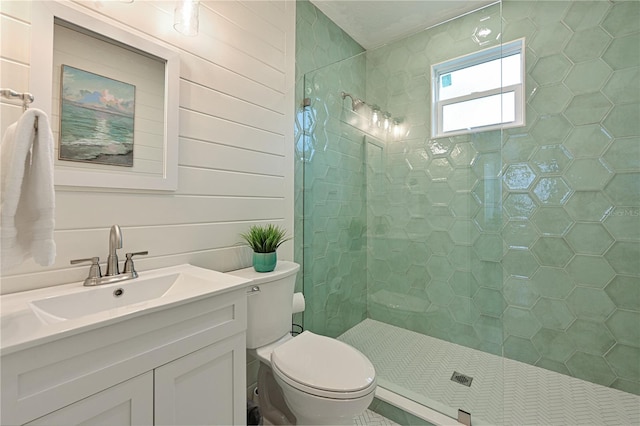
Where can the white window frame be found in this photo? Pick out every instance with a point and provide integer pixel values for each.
(476, 58)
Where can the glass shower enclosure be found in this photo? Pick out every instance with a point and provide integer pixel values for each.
(521, 242)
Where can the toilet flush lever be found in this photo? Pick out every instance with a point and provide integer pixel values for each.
(254, 289)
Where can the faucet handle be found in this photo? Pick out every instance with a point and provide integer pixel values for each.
(128, 264)
(94, 270)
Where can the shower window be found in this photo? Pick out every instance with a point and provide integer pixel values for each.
(482, 91)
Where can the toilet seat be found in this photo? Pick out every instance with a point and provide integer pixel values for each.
(324, 367)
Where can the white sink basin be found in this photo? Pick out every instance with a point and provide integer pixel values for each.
(28, 317)
(102, 298)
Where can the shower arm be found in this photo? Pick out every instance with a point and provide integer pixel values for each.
(355, 102)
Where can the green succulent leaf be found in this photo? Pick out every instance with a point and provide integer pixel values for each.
(265, 238)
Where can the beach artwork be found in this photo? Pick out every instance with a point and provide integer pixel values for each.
(96, 118)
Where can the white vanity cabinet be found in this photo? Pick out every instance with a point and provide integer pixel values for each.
(181, 365)
(126, 404)
(198, 389)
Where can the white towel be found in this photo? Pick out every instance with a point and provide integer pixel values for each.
(27, 192)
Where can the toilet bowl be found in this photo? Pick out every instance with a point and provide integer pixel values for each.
(323, 380)
(308, 379)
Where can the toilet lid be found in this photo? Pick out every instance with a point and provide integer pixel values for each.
(310, 361)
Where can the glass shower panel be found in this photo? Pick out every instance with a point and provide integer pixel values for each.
(403, 230)
(334, 200)
(435, 212)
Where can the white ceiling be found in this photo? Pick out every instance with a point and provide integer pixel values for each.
(373, 23)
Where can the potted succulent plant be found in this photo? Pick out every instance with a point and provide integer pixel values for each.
(264, 240)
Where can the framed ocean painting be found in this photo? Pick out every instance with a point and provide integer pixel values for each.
(96, 118)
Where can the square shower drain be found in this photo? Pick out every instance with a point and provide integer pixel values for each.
(463, 379)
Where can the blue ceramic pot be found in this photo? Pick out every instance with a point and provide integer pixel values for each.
(264, 262)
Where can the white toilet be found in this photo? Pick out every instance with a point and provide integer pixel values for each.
(307, 379)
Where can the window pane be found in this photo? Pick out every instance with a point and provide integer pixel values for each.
(480, 77)
(479, 112)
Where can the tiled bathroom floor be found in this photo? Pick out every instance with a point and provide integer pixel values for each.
(368, 418)
(503, 391)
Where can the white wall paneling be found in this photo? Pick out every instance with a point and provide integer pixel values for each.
(198, 126)
(235, 140)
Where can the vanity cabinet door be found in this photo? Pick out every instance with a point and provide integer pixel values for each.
(128, 403)
(206, 387)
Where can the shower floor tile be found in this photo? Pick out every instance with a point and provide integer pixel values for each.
(503, 391)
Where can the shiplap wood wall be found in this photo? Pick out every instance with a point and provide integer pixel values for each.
(235, 141)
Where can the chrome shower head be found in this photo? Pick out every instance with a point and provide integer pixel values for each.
(355, 102)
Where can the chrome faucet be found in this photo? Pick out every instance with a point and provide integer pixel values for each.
(115, 242)
(113, 271)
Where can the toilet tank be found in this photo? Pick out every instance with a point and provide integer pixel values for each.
(269, 309)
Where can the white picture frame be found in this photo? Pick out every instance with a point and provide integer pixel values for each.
(42, 85)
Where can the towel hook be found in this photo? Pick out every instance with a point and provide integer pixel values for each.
(26, 98)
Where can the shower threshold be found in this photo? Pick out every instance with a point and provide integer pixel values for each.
(414, 369)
